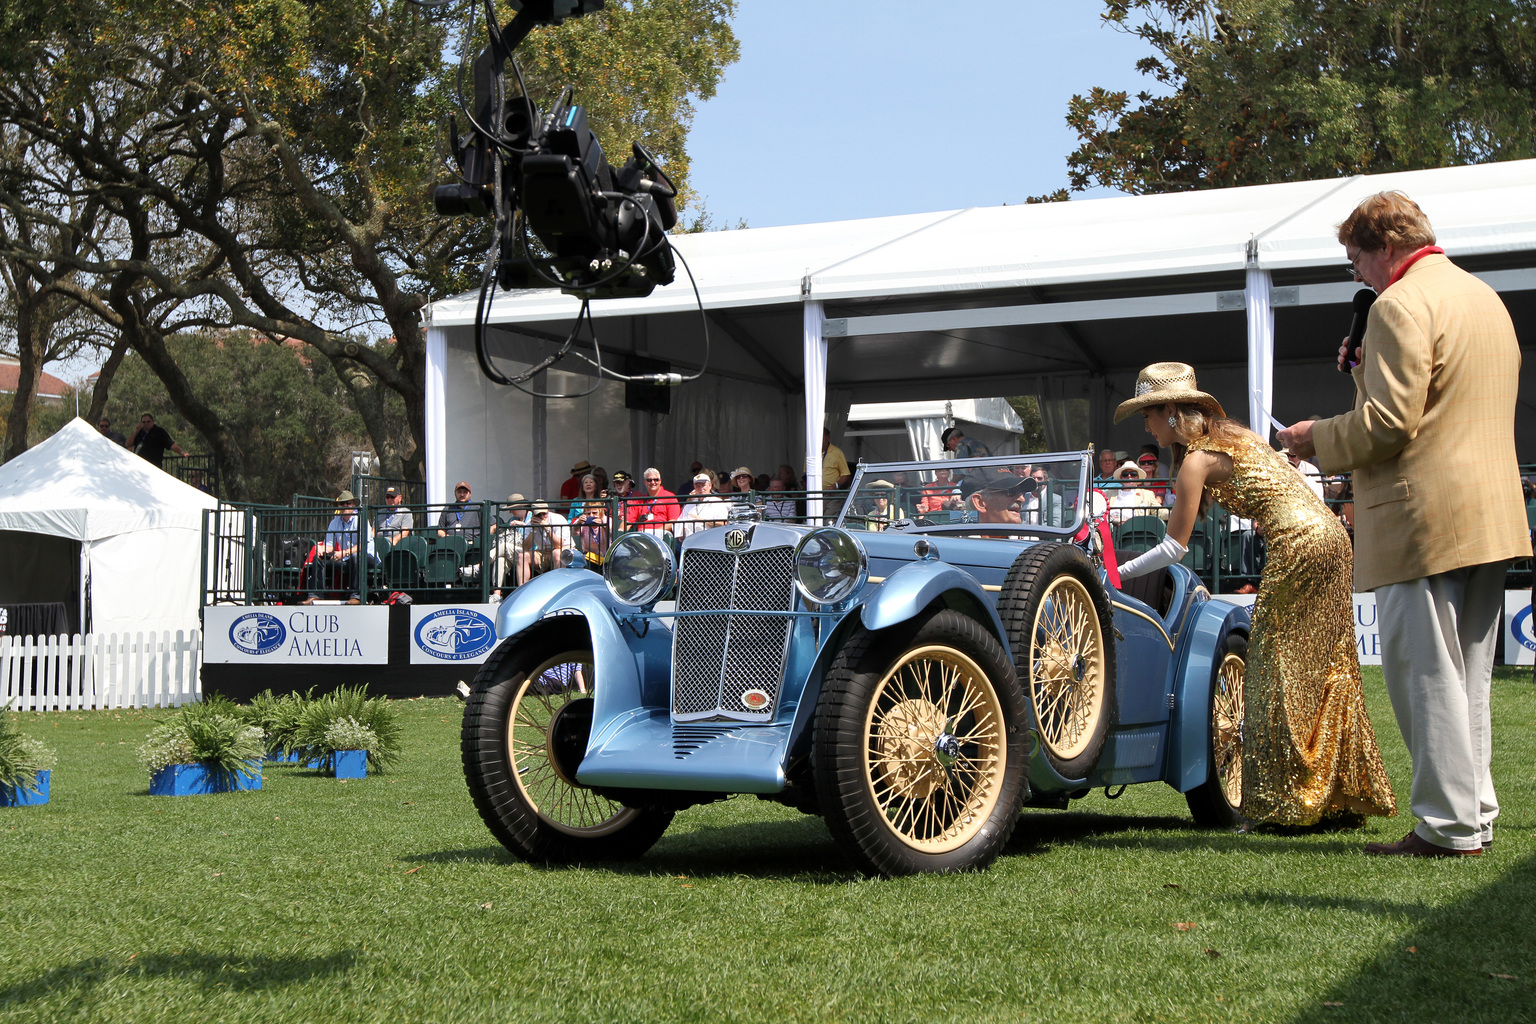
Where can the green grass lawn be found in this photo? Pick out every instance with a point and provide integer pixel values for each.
(387, 900)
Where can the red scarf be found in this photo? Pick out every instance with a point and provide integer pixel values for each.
(1428, 250)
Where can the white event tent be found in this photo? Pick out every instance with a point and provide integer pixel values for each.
(1065, 301)
(83, 519)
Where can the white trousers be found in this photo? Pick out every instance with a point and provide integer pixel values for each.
(1437, 640)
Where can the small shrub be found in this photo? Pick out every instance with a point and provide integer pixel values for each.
(349, 702)
(205, 733)
(277, 718)
(22, 758)
(347, 734)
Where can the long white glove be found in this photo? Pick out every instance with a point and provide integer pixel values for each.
(1165, 554)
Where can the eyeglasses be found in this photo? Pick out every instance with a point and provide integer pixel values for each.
(1353, 270)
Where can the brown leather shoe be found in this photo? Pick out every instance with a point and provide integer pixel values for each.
(1412, 845)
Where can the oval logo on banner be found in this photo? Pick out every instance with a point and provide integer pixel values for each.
(257, 633)
(455, 634)
(1520, 625)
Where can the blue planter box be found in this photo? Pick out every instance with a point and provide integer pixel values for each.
(278, 757)
(20, 796)
(351, 764)
(194, 779)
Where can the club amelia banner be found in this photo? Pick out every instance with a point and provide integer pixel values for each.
(452, 634)
(288, 635)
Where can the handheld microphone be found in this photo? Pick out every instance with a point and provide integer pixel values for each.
(1362, 303)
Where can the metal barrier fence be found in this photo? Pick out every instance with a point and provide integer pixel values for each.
(439, 553)
(200, 471)
(261, 554)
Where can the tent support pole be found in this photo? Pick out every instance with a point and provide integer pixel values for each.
(1261, 344)
(437, 416)
(815, 361)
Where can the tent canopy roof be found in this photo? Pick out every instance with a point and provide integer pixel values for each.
(1476, 210)
(79, 484)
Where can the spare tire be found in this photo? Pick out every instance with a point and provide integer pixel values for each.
(1061, 632)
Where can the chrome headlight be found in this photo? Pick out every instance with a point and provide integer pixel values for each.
(829, 566)
(640, 568)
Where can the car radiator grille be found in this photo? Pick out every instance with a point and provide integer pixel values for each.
(716, 659)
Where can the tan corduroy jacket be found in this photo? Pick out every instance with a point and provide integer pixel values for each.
(1431, 439)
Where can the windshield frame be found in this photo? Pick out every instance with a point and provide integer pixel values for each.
(873, 470)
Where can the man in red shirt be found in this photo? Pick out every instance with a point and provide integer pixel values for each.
(656, 509)
(571, 489)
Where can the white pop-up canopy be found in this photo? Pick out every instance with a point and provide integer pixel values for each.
(126, 536)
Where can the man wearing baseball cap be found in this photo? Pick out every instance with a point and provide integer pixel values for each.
(460, 518)
(394, 521)
(954, 440)
(994, 495)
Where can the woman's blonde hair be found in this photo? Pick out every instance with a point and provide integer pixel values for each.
(1192, 422)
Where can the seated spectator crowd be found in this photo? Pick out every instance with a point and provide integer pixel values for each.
(402, 548)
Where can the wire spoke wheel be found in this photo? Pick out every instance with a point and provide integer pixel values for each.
(569, 807)
(921, 746)
(1058, 615)
(1067, 667)
(1217, 802)
(1227, 728)
(935, 748)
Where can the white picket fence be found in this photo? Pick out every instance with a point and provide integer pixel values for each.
(72, 673)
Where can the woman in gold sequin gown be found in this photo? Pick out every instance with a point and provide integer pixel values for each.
(1309, 752)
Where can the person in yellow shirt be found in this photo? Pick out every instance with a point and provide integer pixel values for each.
(835, 473)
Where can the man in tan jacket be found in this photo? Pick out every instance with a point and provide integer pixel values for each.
(1438, 506)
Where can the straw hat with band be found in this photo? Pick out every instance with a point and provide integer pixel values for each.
(1165, 383)
(1131, 469)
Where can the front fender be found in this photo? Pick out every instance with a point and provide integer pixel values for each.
(915, 586)
(1189, 732)
(530, 602)
(624, 665)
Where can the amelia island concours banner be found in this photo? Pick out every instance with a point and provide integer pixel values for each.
(1519, 636)
(452, 634)
(290, 635)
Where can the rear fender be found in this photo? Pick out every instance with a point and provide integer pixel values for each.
(1189, 730)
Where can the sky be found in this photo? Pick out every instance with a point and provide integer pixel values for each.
(839, 109)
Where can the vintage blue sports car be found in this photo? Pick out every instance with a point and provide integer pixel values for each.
(946, 654)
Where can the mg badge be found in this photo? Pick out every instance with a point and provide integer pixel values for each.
(754, 700)
(736, 540)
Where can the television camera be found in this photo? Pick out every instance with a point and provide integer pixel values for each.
(601, 231)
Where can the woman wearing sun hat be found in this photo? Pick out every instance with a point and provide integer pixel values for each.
(1308, 748)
